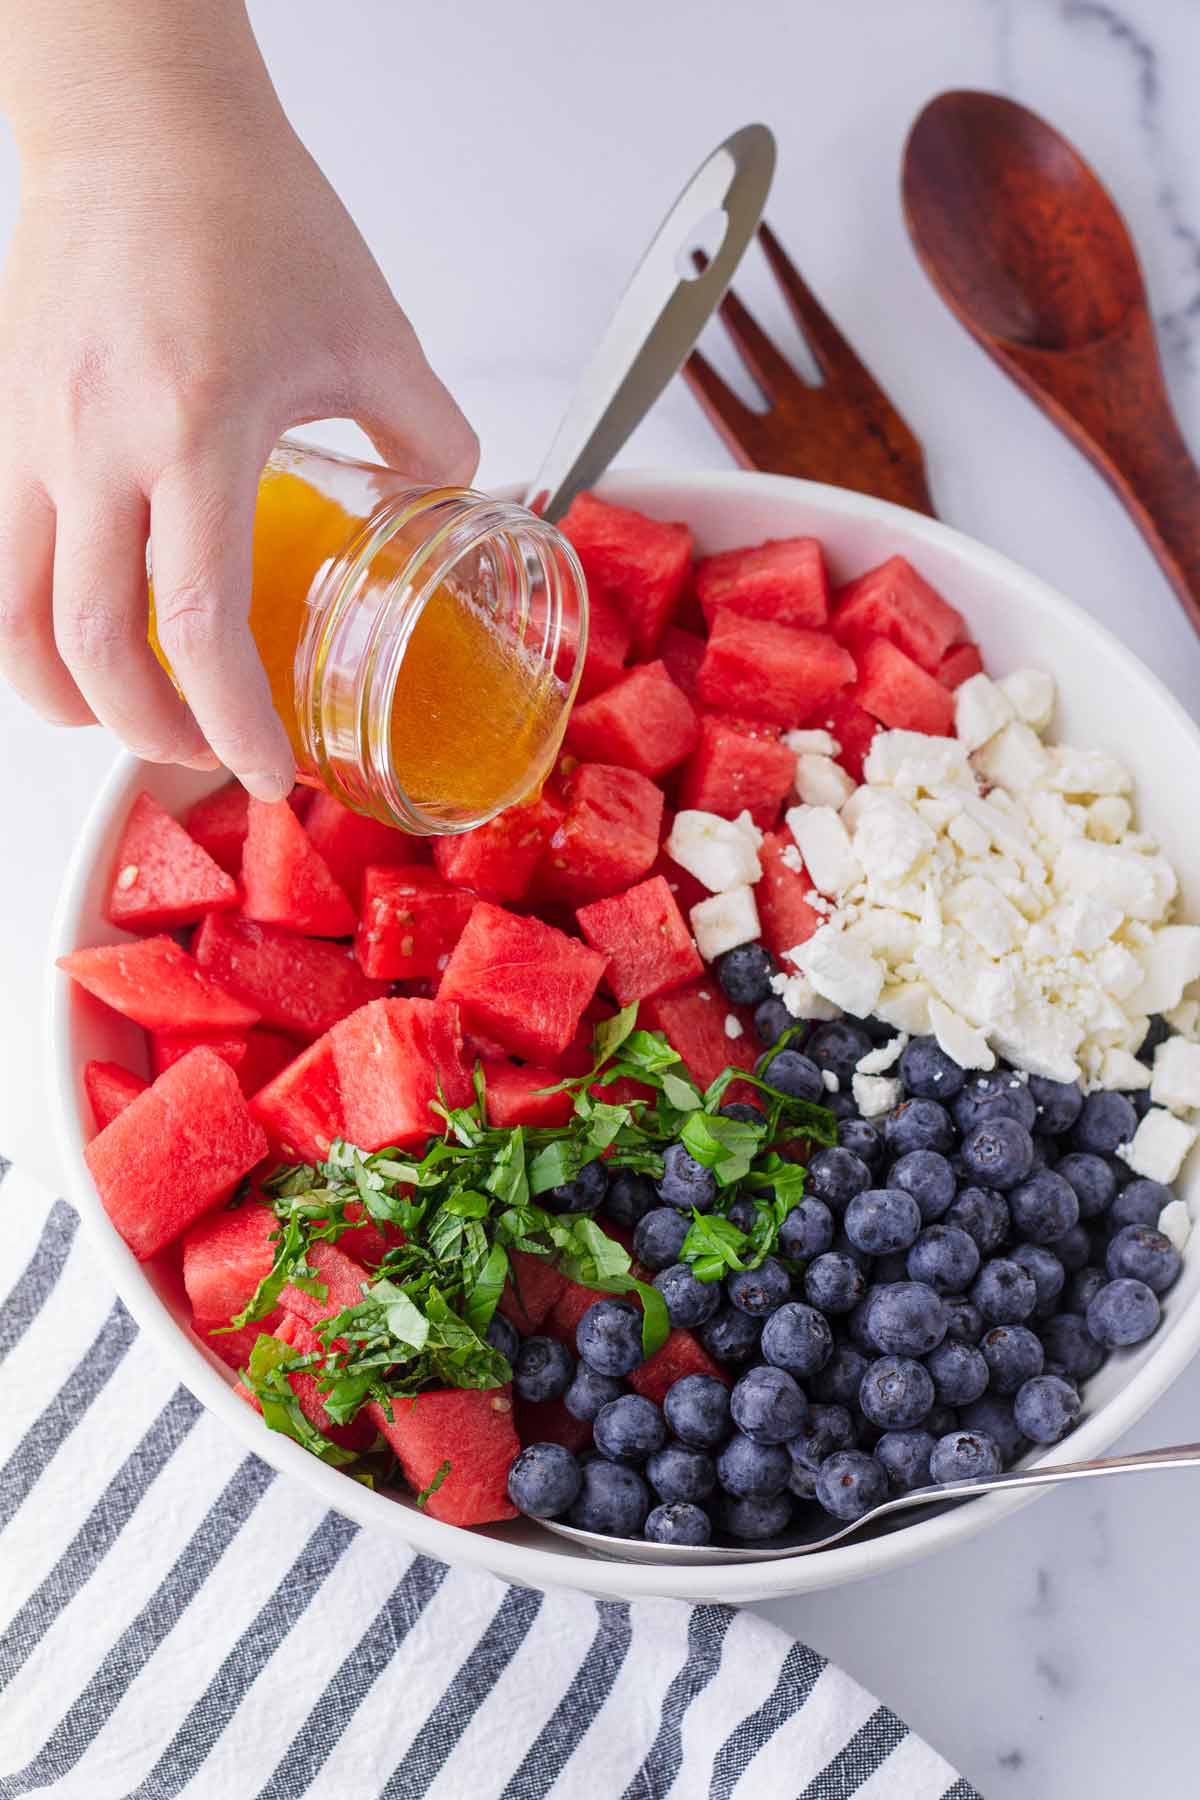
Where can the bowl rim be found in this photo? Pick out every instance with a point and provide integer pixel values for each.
(555, 1565)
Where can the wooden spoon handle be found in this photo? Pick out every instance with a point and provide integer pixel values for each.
(1110, 399)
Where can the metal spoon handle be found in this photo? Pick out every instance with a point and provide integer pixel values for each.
(1175, 1456)
(659, 318)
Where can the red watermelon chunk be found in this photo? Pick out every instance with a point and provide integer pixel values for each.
(894, 602)
(285, 878)
(300, 985)
(851, 728)
(894, 690)
(225, 1256)
(359, 1434)
(761, 670)
(959, 664)
(110, 1088)
(367, 1242)
(234, 1347)
(609, 635)
(178, 1149)
(342, 1278)
(642, 722)
(159, 986)
(783, 579)
(394, 1058)
(784, 911)
(730, 772)
(411, 921)
(638, 565)
(268, 1053)
(166, 1048)
(645, 938)
(680, 1355)
(219, 824)
(163, 878)
(520, 981)
(348, 843)
(681, 653)
(471, 1429)
(301, 1108)
(693, 1021)
(607, 839)
(549, 1422)
(513, 1096)
(497, 860)
(532, 1288)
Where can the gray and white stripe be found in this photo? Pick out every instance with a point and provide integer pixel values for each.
(176, 1621)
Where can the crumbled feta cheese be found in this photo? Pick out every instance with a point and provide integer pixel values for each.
(830, 1082)
(1013, 759)
(963, 1043)
(1141, 886)
(980, 908)
(910, 759)
(1170, 963)
(733, 1026)
(825, 846)
(1176, 1081)
(791, 859)
(890, 837)
(967, 835)
(879, 1060)
(1183, 1018)
(1074, 771)
(720, 853)
(1108, 819)
(822, 782)
(875, 1095)
(811, 743)
(905, 1006)
(801, 998)
(841, 970)
(981, 709)
(1159, 1146)
(724, 921)
(1121, 1069)
(1175, 1222)
(1030, 693)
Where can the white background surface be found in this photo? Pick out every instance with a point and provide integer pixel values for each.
(507, 165)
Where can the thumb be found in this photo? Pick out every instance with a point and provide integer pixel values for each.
(409, 415)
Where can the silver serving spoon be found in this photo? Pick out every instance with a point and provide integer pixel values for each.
(1178, 1456)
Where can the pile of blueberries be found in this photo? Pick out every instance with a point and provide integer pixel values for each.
(954, 1274)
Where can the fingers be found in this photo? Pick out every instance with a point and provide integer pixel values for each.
(409, 416)
(201, 524)
(29, 657)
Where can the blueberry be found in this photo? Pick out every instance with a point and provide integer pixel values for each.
(997, 1152)
(629, 1198)
(768, 1406)
(834, 1283)
(882, 1219)
(759, 1291)
(1068, 1342)
(697, 1410)
(1139, 1203)
(1106, 1121)
(1093, 1180)
(1140, 1101)
(677, 1523)
(753, 1471)
(796, 1075)
(1013, 1355)
(1147, 1255)
(1046, 1408)
(1004, 1292)
(1123, 1312)
(864, 1139)
(839, 1047)
(918, 1125)
(658, 1237)
(731, 1336)
(771, 1020)
(544, 1481)
(609, 1337)
(896, 1393)
(612, 1499)
(679, 1472)
(583, 1195)
(826, 1429)
(964, 1321)
(807, 1231)
(998, 1094)
(543, 1369)
(861, 1258)
(742, 1111)
(837, 1384)
(797, 1338)
(1043, 1208)
(685, 1182)
(960, 1373)
(1082, 1289)
(965, 1456)
(905, 1455)
(850, 1483)
(983, 1214)
(743, 1212)
(927, 1072)
(945, 1258)
(993, 1417)
(629, 1429)
(889, 1268)
(841, 1104)
(928, 1177)
(503, 1336)
(835, 1175)
(1049, 1276)
(689, 1302)
(907, 1319)
(753, 1519)
(745, 974)
(858, 1328)
(1074, 1248)
(589, 1391)
(1157, 1032)
(1058, 1104)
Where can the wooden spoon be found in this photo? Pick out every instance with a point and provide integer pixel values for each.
(1027, 249)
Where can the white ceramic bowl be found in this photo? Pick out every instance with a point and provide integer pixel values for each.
(1107, 699)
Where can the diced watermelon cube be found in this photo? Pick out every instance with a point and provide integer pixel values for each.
(851, 728)
(959, 664)
(762, 670)
(268, 1053)
(894, 602)
(783, 579)
(234, 1347)
(514, 1096)
(411, 921)
(163, 878)
(681, 653)
(680, 1355)
(301, 1108)
(687, 891)
(367, 1242)
(642, 722)
(784, 911)
(520, 981)
(225, 1256)
(692, 1019)
(348, 843)
(286, 880)
(532, 1288)
(159, 986)
(166, 1048)
(607, 839)
(894, 690)
(359, 1434)
(110, 1088)
(645, 938)
(497, 860)
(219, 824)
(472, 1430)
(343, 1280)
(636, 564)
(609, 635)
(178, 1149)
(549, 1422)
(730, 772)
(300, 985)
(394, 1058)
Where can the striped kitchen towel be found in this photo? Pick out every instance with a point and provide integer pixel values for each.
(177, 1620)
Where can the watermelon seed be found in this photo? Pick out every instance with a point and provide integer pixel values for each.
(128, 876)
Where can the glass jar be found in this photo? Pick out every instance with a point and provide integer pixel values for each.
(423, 644)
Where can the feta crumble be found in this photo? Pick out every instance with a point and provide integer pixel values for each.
(1175, 1083)
(882, 1058)
(733, 1026)
(1175, 1222)
(720, 853)
(724, 921)
(1158, 1146)
(875, 1095)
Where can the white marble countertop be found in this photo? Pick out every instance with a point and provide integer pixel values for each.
(507, 164)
